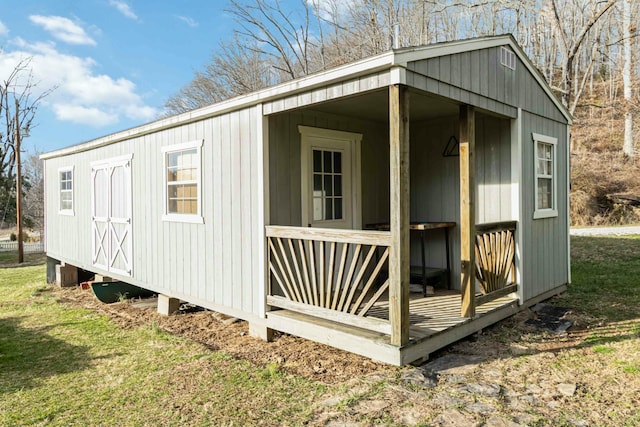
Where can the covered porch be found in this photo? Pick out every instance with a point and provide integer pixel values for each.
(350, 287)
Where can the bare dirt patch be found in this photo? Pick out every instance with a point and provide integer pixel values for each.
(294, 355)
(512, 374)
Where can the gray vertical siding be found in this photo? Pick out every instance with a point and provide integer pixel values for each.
(215, 264)
(212, 263)
(435, 182)
(477, 78)
(284, 167)
(544, 241)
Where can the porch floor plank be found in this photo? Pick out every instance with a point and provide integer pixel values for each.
(435, 322)
(436, 313)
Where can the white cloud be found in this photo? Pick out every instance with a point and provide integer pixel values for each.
(3, 29)
(84, 115)
(124, 8)
(189, 21)
(63, 29)
(83, 95)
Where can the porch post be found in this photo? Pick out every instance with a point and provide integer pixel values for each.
(399, 215)
(467, 210)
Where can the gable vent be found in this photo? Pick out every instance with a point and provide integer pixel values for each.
(507, 58)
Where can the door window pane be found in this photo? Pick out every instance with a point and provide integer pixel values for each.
(327, 185)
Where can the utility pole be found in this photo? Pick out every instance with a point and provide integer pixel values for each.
(18, 187)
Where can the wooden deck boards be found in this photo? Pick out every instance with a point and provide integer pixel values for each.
(435, 322)
(434, 314)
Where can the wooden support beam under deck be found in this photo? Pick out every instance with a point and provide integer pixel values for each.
(399, 215)
(467, 209)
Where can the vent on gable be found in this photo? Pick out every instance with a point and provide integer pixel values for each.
(507, 58)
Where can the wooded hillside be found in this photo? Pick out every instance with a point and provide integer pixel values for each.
(586, 49)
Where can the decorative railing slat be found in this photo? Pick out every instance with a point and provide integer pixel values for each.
(358, 280)
(303, 260)
(347, 283)
(343, 261)
(365, 290)
(495, 258)
(333, 273)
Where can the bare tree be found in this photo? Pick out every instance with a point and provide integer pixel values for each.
(571, 39)
(235, 69)
(34, 192)
(18, 107)
(628, 30)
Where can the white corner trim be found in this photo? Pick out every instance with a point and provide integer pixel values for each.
(398, 76)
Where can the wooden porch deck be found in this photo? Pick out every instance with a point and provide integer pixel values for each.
(436, 313)
(435, 322)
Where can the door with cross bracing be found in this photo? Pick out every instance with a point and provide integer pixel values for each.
(111, 215)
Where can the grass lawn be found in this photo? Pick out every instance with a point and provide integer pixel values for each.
(68, 366)
(63, 366)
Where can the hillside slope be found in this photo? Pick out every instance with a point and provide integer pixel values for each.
(605, 185)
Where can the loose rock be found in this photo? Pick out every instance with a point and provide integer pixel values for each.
(566, 389)
(420, 378)
(453, 418)
(488, 390)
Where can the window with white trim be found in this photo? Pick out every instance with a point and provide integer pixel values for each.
(65, 178)
(545, 176)
(182, 165)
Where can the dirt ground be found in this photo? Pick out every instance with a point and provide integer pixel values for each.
(218, 332)
(510, 375)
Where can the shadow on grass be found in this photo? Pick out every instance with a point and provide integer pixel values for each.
(29, 355)
(604, 298)
(10, 260)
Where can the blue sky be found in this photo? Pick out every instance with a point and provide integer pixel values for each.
(115, 62)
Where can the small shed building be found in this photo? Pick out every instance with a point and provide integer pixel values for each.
(388, 207)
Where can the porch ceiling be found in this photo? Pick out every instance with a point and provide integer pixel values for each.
(375, 106)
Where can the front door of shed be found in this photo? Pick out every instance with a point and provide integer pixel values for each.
(330, 178)
(111, 215)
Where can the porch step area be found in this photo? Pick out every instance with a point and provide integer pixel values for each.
(435, 322)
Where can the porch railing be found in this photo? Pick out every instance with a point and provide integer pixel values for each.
(334, 274)
(495, 260)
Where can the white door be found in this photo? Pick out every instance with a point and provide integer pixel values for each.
(111, 215)
(330, 178)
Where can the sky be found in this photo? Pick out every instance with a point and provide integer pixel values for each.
(114, 63)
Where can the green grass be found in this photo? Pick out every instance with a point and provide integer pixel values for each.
(605, 277)
(69, 366)
(64, 366)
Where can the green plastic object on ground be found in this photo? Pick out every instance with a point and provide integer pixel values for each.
(110, 292)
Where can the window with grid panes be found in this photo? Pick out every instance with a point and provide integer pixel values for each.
(545, 176)
(182, 184)
(66, 190)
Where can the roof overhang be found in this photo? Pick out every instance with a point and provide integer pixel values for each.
(395, 61)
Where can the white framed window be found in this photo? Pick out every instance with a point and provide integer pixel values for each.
(182, 182)
(65, 185)
(545, 176)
